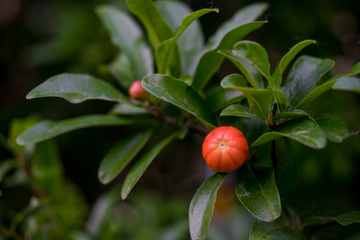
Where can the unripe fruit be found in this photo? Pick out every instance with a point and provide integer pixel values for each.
(225, 149)
(136, 91)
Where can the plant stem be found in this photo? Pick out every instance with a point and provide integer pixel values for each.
(10, 233)
(198, 130)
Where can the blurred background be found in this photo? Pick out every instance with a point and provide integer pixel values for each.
(39, 39)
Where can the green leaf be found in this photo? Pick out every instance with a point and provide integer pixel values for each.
(225, 37)
(284, 62)
(47, 167)
(304, 77)
(18, 126)
(48, 129)
(260, 100)
(77, 88)
(274, 230)
(343, 219)
(191, 40)
(335, 130)
(239, 110)
(210, 62)
(120, 68)
(202, 206)
(163, 51)
(250, 73)
(293, 113)
(5, 167)
(182, 95)
(255, 55)
(100, 214)
(156, 27)
(121, 154)
(128, 109)
(143, 163)
(257, 192)
(302, 130)
(128, 37)
(348, 84)
(288, 178)
(218, 97)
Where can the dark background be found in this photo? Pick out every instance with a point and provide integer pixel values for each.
(39, 39)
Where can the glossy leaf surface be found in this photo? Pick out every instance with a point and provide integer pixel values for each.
(164, 49)
(210, 62)
(348, 84)
(255, 55)
(156, 27)
(191, 40)
(77, 88)
(293, 113)
(219, 97)
(260, 100)
(258, 193)
(343, 219)
(202, 206)
(250, 73)
(273, 231)
(121, 69)
(334, 129)
(128, 37)
(284, 62)
(304, 77)
(48, 129)
(128, 109)
(182, 95)
(302, 130)
(239, 110)
(142, 164)
(121, 154)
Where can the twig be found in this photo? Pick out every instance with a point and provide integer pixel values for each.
(198, 130)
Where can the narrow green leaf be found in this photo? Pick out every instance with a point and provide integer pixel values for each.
(180, 94)
(302, 130)
(18, 126)
(304, 77)
(274, 230)
(245, 15)
(210, 61)
(121, 69)
(239, 110)
(143, 163)
(288, 178)
(250, 73)
(260, 100)
(255, 55)
(128, 109)
(121, 154)
(156, 27)
(343, 219)
(5, 167)
(163, 51)
(335, 130)
(77, 88)
(218, 97)
(128, 37)
(48, 129)
(191, 40)
(293, 113)
(284, 62)
(257, 192)
(348, 84)
(202, 206)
